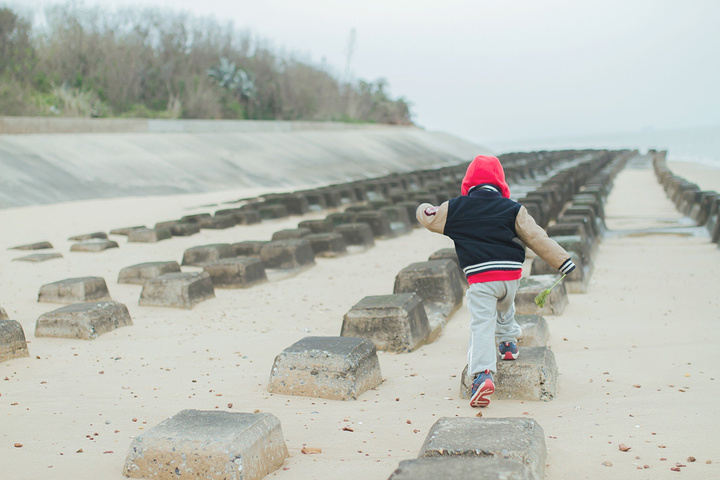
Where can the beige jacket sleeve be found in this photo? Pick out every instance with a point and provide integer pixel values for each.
(537, 240)
(431, 217)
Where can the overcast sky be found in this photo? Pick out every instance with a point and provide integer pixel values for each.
(492, 71)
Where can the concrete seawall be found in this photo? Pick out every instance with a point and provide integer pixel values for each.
(78, 159)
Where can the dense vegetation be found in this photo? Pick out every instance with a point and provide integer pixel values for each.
(147, 63)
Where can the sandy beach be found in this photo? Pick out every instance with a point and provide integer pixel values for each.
(637, 354)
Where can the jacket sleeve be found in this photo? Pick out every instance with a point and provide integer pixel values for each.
(431, 217)
(537, 240)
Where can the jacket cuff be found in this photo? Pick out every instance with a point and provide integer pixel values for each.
(567, 267)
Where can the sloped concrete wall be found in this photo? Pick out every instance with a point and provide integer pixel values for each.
(173, 157)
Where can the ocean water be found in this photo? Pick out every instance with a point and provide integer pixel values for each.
(696, 145)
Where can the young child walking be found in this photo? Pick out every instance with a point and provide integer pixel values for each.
(484, 223)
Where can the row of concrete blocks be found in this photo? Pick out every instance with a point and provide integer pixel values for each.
(424, 297)
(703, 206)
(249, 446)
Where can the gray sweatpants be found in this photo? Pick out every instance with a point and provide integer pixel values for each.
(492, 319)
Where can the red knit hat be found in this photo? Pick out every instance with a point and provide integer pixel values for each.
(483, 170)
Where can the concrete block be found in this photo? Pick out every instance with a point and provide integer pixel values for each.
(575, 282)
(535, 331)
(462, 468)
(439, 285)
(178, 228)
(149, 235)
(287, 254)
(219, 222)
(209, 445)
(38, 257)
(332, 196)
(533, 376)
(521, 440)
(12, 340)
(89, 236)
(140, 273)
(178, 290)
(567, 229)
(249, 248)
(238, 272)
(341, 218)
(578, 244)
(397, 323)
(356, 234)
(196, 218)
(270, 212)
(247, 217)
(33, 246)
(315, 199)
(96, 245)
(378, 221)
(291, 233)
(399, 219)
(125, 230)
(207, 253)
(336, 368)
(410, 207)
(295, 204)
(327, 244)
(530, 287)
(75, 290)
(318, 226)
(83, 320)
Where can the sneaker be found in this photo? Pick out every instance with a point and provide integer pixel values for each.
(481, 388)
(508, 351)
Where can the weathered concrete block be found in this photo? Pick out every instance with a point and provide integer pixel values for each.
(356, 234)
(327, 244)
(337, 368)
(315, 198)
(318, 226)
(378, 221)
(209, 445)
(33, 246)
(207, 253)
(533, 376)
(410, 208)
(250, 248)
(439, 285)
(286, 254)
(96, 245)
(535, 331)
(530, 287)
(219, 222)
(89, 236)
(140, 273)
(126, 230)
(196, 218)
(578, 244)
(83, 320)
(575, 282)
(38, 257)
(269, 212)
(178, 290)
(247, 217)
(291, 233)
(149, 235)
(178, 228)
(341, 218)
(294, 203)
(12, 340)
(238, 272)
(520, 440)
(462, 468)
(399, 219)
(396, 323)
(75, 290)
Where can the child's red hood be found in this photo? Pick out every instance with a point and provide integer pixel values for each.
(484, 169)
